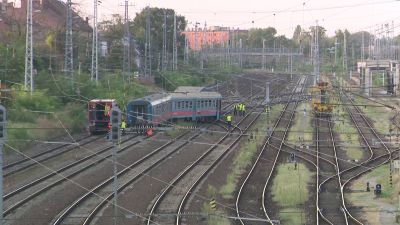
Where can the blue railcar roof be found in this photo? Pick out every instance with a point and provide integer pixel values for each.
(153, 99)
(196, 95)
(186, 89)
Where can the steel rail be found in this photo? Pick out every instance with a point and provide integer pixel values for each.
(303, 83)
(24, 167)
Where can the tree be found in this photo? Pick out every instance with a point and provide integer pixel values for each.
(156, 21)
(297, 34)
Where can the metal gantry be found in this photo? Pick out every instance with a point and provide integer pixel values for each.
(147, 50)
(69, 58)
(126, 66)
(316, 54)
(29, 82)
(345, 64)
(175, 47)
(164, 49)
(95, 45)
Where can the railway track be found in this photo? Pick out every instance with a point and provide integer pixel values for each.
(380, 153)
(173, 198)
(244, 207)
(12, 194)
(22, 195)
(133, 178)
(347, 172)
(330, 196)
(26, 163)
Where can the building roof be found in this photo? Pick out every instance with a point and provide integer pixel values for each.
(189, 89)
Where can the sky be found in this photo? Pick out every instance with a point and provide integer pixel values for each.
(355, 15)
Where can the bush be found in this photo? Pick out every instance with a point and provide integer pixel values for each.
(25, 103)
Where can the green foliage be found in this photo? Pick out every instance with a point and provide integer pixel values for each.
(156, 20)
(187, 76)
(12, 63)
(24, 103)
(73, 117)
(290, 191)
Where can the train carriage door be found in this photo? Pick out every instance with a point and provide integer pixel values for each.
(218, 108)
(192, 105)
(101, 111)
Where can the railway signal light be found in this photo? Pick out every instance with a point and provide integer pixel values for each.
(115, 132)
(2, 123)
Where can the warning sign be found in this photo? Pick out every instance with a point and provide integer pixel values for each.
(396, 164)
(213, 204)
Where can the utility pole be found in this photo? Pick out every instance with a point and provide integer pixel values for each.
(95, 46)
(264, 57)
(362, 46)
(240, 53)
(203, 46)
(69, 57)
(164, 49)
(147, 51)
(344, 56)
(291, 64)
(175, 47)
(3, 138)
(126, 65)
(186, 54)
(316, 54)
(29, 49)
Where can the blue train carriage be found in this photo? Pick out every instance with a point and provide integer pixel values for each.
(152, 109)
(99, 115)
(199, 106)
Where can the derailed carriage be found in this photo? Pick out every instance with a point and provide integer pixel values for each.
(157, 109)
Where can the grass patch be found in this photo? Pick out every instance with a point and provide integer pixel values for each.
(290, 191)
(301, 128)
(377, 210)
(348, 134)
(380, 116)
(247, 151)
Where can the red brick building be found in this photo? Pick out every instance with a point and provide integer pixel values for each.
(215, 35)
(47, 15)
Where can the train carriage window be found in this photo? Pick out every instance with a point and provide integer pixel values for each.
(209, 103)
(186, 104)
(202, 104)
(198, 104)
(190, 105)
(179, 105)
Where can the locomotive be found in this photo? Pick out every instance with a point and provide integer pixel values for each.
(321, 99)
(99, 114)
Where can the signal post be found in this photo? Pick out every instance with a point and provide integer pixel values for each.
(114, 137)
(3, 137)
